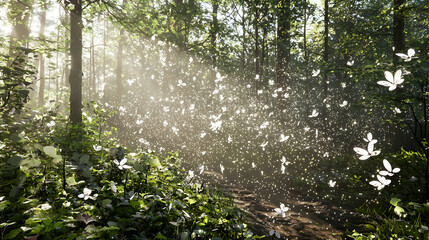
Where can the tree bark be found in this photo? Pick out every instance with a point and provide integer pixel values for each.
(213, 32)
(398, 26)
(325, 59)
(283, 43)
(41, 97)
(75, 78)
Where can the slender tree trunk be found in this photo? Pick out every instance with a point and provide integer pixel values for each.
(399, 26)
(283, 43)
(325, 59)
(104, 48)
(263, 55)
(93, 71)
(75, 78)
(119, 67)
(213, 31)
(306, 61)
(257, 58)
(41, 99)
(20, 10)
(243, 55)
(67, 53)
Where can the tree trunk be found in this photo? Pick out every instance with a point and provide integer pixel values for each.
(76, 62)
(213, 31)
(20, 10)
(398, 26)
(41, 98)
(256, 27)
(325, 59)
(283, 43)
(119, 68)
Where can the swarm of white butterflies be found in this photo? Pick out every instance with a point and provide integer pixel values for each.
(369, 152)
(392, 81)
(407, 57)
(382, 181)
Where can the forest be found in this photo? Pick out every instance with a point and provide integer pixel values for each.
(214, 119)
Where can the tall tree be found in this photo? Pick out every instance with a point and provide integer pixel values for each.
(75, 78)
(19, 13)
(283, 42)
(41, 98)
(325, 60)
(214, 28)
(399, 25)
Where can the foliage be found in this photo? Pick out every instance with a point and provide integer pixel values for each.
(54, 188)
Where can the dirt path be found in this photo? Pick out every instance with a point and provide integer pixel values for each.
(305, 219)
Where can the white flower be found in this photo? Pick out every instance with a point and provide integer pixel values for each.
(282, 210)
(389, 169)
(381, 183)
(392, 82)
(121, 165)
(332, 183)
(87, 194)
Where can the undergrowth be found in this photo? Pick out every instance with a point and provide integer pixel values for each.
(60, 181)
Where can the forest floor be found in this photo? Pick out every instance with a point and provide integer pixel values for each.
(306, 218)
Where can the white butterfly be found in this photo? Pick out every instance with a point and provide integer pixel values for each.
(350, 63)
(282, 210)
(221, 168)
(392, 82)
(344, 103)
(381, 183)
(283, 160)
(365, 154)
(389, 169)
(314, 113)
(201, 169)
(283, 137)
(407, 57)
(369, 139)
(332, 183)
(315, 73)
(274, 232)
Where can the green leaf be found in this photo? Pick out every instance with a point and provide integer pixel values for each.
(184, 236)
(50, 151)
(395, 201)
(191, 201)
(399, 211)
(71, 181)
(84, 159)
(12, 234)
(160, 236)
(14, 161)
(155, 162)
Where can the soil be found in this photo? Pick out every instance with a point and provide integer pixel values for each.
(306, 218)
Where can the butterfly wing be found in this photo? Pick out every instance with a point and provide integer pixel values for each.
(398, 77)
